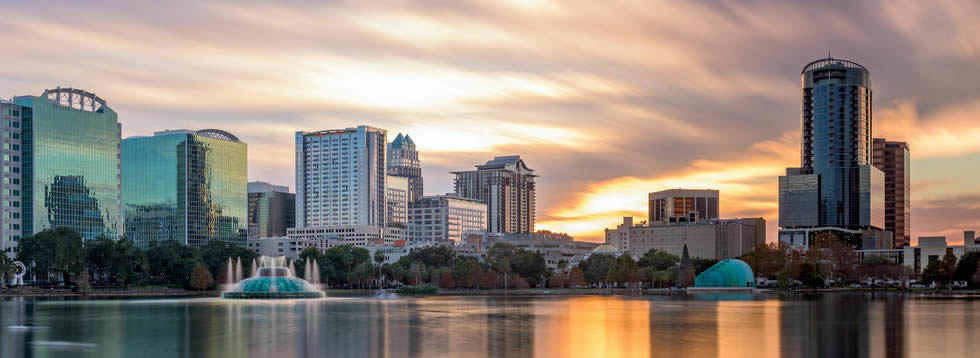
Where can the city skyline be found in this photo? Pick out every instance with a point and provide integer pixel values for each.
(643, 99)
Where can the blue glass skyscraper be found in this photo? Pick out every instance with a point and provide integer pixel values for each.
(835, 186)
(184, 185)
(70, 164)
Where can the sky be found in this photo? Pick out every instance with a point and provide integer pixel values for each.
(606, 100)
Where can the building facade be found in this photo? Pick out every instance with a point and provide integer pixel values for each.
(713, 239)
(507, 187)
(70, 166)
(279, 246)
(446, 218)
(271, 210)
(12, 119)
(683, 205)
(836, 151)
(189, 186)
(398, 192)
(933, 248)
(403, 161)
(894, 160)
(341, 177)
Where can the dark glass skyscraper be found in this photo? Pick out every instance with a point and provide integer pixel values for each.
(70, 165)
(183, 185)
(403, 161)
(271, 210)
(836, 185)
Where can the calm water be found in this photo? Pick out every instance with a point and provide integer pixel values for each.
(591, 326)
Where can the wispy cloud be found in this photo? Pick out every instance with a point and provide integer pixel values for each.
(607, 100)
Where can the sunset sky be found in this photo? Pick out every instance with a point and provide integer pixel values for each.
(606, 100)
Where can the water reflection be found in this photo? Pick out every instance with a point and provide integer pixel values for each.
(854, 325)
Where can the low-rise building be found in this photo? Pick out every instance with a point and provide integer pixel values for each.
(556, 247)
(397, 250)
(933, 248)
(446, 218)
(280, 246)
(357, 235)
(714, 239)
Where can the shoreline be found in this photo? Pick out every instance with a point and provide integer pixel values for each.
(180, 293)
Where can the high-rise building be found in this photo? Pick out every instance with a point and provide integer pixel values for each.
(341, 177)
(184, 185)
(271, 210)
(446, 218)
(12, 119)
(397, 189)
(835, 186)
(506, 185)
(403, 161)
(70, 171)
(683, 205)
(893, 159)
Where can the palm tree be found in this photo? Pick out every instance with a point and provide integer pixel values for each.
(379, 257)
(562, 264)
(503, 266)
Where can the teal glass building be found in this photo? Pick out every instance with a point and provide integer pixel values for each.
(184, 185)
(70, 164)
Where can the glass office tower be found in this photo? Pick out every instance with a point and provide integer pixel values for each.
(70, 166)
(184, 185)
(836, 185)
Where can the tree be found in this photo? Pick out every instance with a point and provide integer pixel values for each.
(363, 273)
(83, 282)
(766, 260)
(878, 268)
(379, 257)
(621, 270)
(810, 276)
(576, 278)
(446, 281)
(432, 256)
(467, 273)
(7, 269)
(596, 267)
(489, 281)
(171, 262)
(54, 250)
(557, 280)
(685, 274)
(656, 278)
(658, 259)
(417, 269)
(201, 279)
(966, 268)
(503, 266)
(833, 258)
(701, 264)
(562, 264)
(529, 264)
(519, 282)
(215, 255)
(397, 273)
(340, 261)
(940, 271)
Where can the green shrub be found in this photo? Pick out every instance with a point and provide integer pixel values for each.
(417, 290)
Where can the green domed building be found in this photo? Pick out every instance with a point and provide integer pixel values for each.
(726, 273)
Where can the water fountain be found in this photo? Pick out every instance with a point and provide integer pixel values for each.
(272, 279)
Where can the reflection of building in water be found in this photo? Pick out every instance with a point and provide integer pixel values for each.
(70, 204)
(183, 185)
(68, 149)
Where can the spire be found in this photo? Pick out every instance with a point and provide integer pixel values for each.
(397, 143)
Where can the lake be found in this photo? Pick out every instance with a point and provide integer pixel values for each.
(702, 325)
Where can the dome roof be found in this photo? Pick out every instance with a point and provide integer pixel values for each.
(726, 273)
(605, 249)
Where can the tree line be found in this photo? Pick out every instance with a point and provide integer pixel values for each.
(60, 255)
(830, 262)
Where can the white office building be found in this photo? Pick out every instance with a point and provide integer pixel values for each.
(340, 177)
